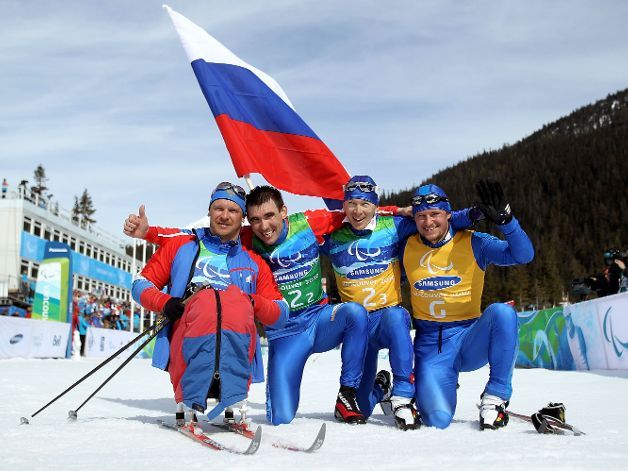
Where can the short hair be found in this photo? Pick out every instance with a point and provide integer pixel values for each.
(263, 194)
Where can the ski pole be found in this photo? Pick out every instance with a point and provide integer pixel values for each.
(24, 420)
(72, 413)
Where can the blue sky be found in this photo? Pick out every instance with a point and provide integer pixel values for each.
(102, 95)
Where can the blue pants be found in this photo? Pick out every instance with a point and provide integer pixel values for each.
(388, 328)
(440, 355)
(344, 323)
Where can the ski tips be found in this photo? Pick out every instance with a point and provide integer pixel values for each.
(24, 421)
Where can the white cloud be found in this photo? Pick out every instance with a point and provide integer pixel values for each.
(101, 92)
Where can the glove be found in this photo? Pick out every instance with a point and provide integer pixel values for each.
(475, 214)
(173, 309)
(492, 202)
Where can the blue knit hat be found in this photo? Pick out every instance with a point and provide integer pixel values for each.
(361, 187)
(231, 192)
(430, 196)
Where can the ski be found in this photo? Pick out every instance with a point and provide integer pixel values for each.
(556, 425)
(243, 430)
(200, 437)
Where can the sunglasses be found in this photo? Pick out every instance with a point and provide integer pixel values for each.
(230, 188)
(362, 186)
(432, 198)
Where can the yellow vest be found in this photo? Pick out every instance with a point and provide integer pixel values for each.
(446, 282)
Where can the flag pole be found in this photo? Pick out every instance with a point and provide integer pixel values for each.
(249, 182)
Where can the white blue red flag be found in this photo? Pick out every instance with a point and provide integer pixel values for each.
(262, 131)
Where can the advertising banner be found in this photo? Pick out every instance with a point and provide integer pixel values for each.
(102, 343)
(584, 336)
(542, 340)
(600, 327)
(33, 248)
(30, 338)
(53, 290)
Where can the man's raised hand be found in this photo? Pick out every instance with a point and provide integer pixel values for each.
(136, 225)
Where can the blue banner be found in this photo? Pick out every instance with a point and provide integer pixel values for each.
(33, 248)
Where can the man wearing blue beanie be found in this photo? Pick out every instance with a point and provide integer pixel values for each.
(365, 258)
(211, 256)
(445, 269)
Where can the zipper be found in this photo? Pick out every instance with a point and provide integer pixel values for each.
(214, 387)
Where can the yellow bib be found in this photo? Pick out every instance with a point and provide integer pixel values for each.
(376, 290)
(445, 283)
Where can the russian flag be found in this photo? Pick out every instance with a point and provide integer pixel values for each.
(262, 132)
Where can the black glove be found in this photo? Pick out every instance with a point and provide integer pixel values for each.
(173, 309)
(492, 202)
(475, 214)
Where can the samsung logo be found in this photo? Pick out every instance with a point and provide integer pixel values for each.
(437, 282)
(16, 338)
(367, 271)
(292, 276)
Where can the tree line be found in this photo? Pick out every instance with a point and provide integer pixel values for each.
(566, 184)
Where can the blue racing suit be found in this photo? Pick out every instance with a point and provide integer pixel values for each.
(452, 334)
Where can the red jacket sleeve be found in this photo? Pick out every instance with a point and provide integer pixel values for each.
(160, 235)
(156, 274)
(269, 305)
(324, 222)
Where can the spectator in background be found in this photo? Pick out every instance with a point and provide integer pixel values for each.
(613, 277)
(82, 328)
(5, 188)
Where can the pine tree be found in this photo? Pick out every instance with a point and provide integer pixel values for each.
(40, 178)
(76, 211)
(83, 209)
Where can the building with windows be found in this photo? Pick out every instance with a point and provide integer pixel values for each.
(99, 260)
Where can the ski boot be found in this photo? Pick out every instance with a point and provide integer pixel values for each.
(347, 409)
(406, 415)
(493, 413)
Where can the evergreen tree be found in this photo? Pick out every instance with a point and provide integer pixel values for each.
(40, 178)
(83, 210)
(76, 211)
(566, 184)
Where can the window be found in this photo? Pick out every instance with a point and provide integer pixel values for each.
(81, 247)
(73, 243)
(37, 229)
(47, 233)
(24, 268)
(27, 225)
(56, 235)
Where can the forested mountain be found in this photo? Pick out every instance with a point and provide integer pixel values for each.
(567, 185)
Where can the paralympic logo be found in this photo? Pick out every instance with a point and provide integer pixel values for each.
(426, 262)
(211, 272)
(354, 251)
(610, 337)
(284, 262)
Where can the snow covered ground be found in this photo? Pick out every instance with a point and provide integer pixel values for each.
(117, 429)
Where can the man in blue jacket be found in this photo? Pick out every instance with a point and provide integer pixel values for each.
(445, 269)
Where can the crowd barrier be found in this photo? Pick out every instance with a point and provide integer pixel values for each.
(584, 336)
(102, 343)
(32, 338)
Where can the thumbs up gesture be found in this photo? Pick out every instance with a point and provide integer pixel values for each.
(136, 225)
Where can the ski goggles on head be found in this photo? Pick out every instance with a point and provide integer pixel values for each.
(432, 198)
(230, 188)
(365, 187)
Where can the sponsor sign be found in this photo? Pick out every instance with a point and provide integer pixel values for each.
(583, 336)
(102, 343)
(31, 338)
